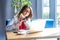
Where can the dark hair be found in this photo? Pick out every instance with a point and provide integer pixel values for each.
(24, 8)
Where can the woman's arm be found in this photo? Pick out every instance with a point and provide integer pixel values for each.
(12, 24)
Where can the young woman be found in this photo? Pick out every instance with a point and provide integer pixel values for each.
(25, 14)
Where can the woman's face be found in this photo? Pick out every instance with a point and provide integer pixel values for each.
(26, 12)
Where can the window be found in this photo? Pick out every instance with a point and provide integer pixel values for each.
(58, 12)
(45, 4)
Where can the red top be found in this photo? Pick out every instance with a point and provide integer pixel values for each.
(22, 26)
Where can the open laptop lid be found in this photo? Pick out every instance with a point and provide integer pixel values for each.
(38, 24)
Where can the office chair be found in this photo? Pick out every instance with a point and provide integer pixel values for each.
(49, 23)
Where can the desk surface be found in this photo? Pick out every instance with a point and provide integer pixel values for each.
(47, 33)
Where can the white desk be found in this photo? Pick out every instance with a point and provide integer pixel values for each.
(47, 33)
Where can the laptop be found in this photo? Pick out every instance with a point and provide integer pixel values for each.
(38, 24)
